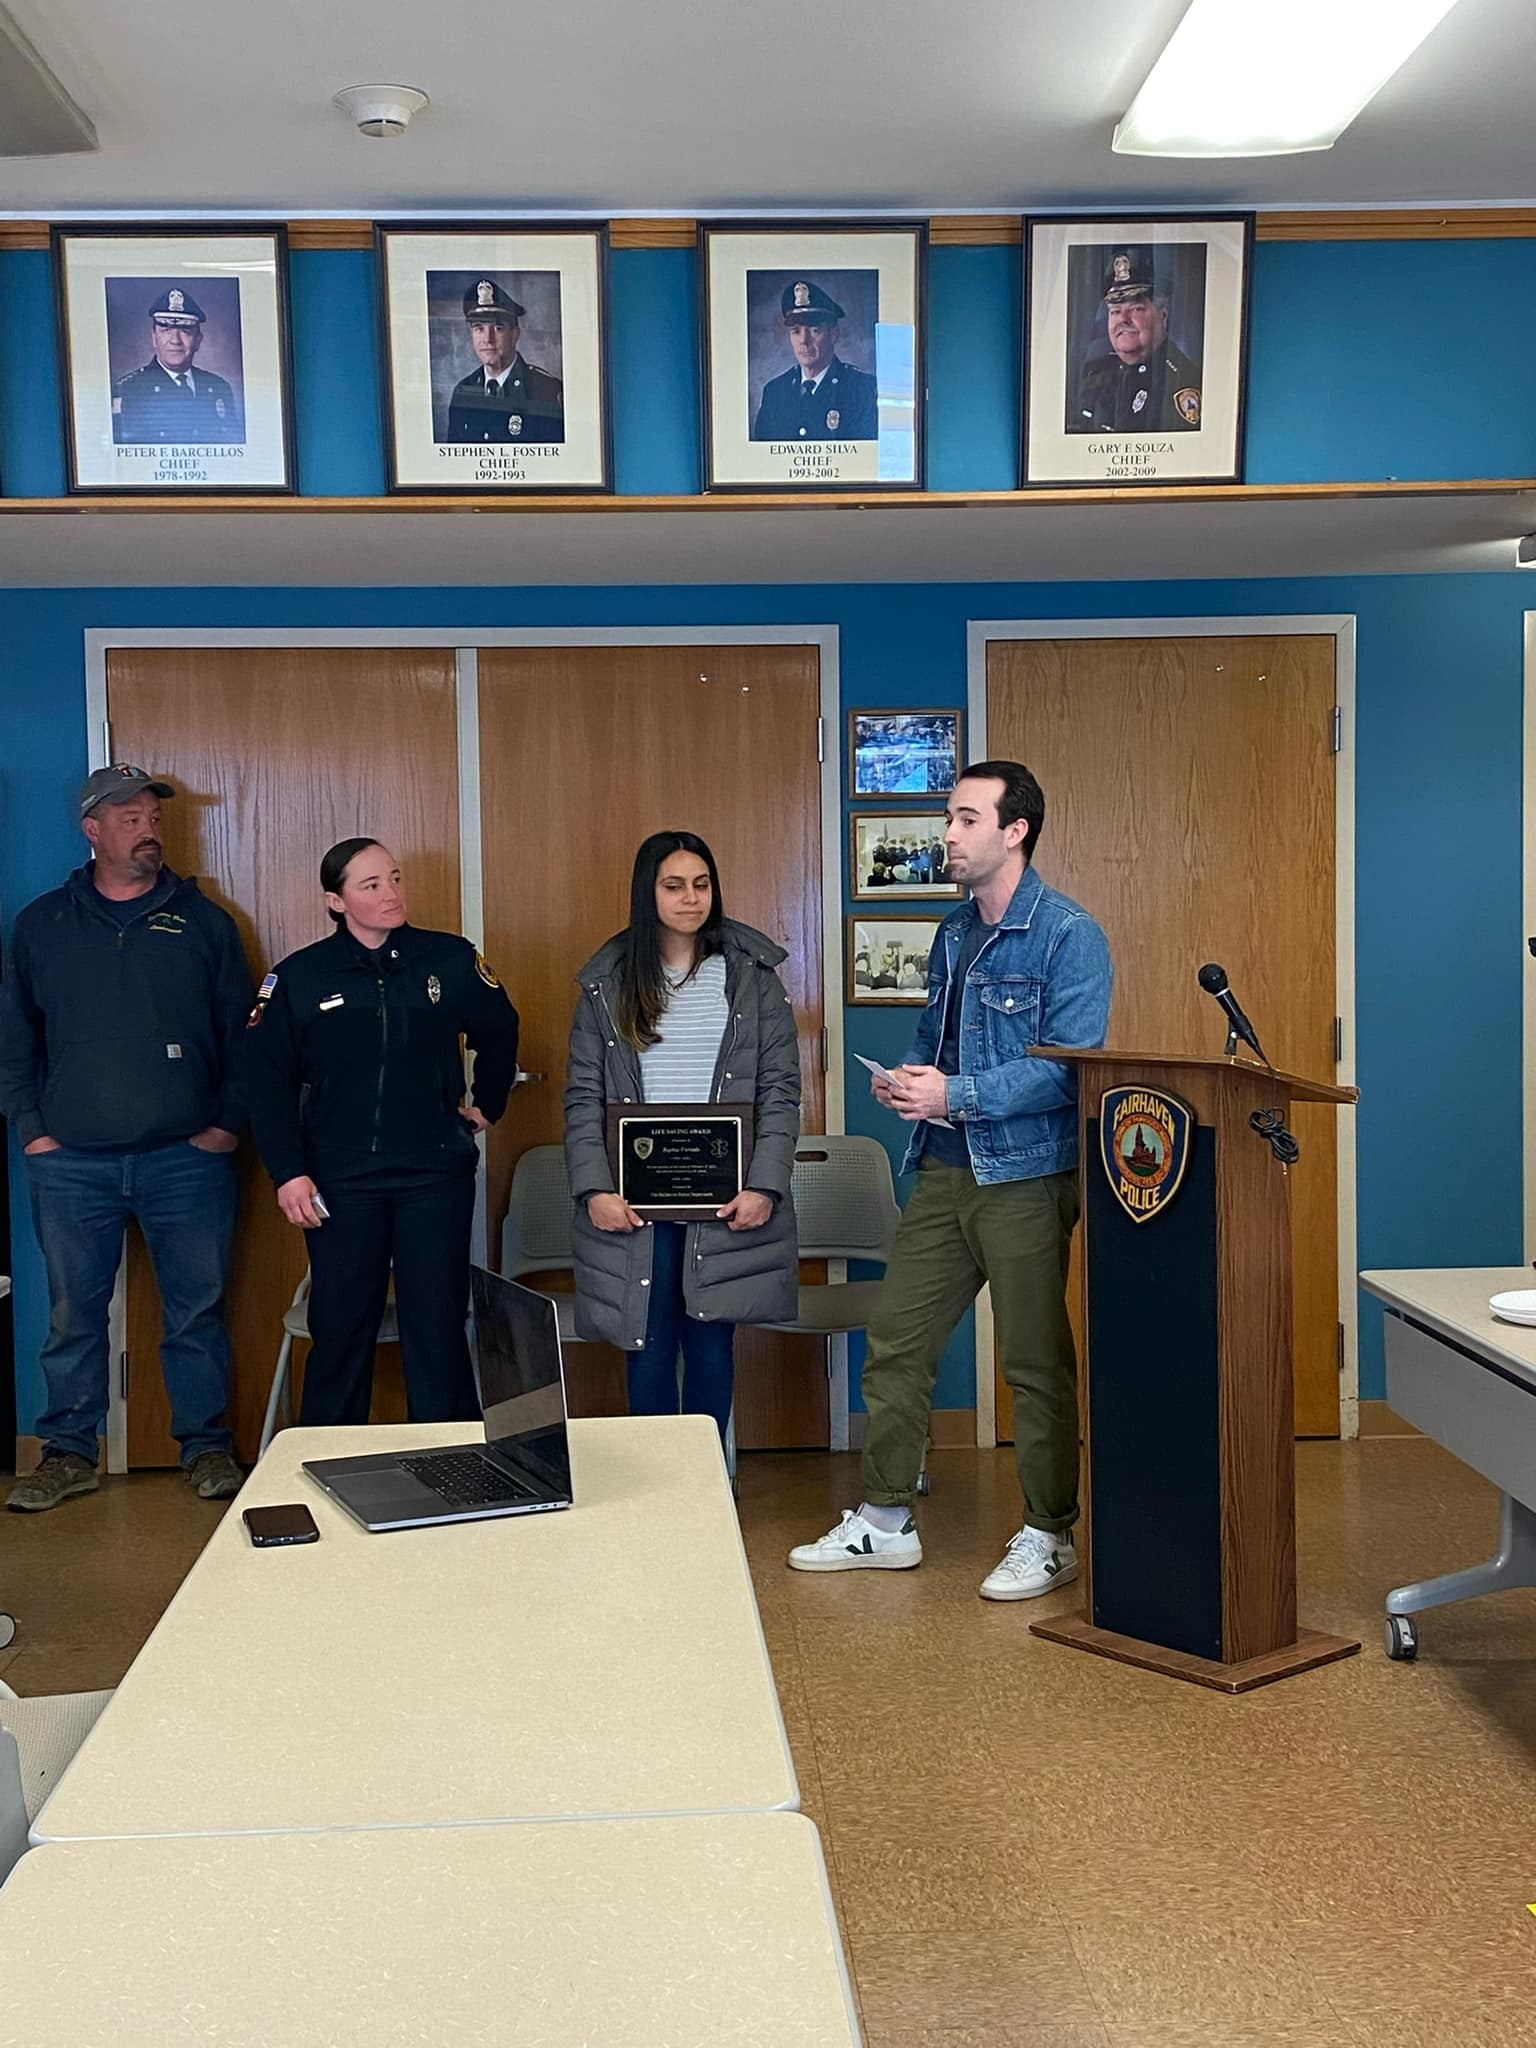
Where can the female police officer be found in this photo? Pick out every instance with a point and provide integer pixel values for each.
(356, 1086)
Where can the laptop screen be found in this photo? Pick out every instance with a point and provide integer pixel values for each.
(516, 1347)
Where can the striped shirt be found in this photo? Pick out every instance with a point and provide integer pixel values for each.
(681, 1068)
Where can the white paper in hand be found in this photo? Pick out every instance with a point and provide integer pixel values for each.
(885, 1074)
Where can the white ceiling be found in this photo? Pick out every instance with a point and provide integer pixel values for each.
(1018, 542)
(694, 106)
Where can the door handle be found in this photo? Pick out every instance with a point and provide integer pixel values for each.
(521, 1076)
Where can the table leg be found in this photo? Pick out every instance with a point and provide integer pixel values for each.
(1515, 1565)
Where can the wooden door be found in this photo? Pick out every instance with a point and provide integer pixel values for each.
(1189, 789)
(277, 754)
(583, 752)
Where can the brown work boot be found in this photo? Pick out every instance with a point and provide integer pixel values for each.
(214, 1475)
(60, 1474)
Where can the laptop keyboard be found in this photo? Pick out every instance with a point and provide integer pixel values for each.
(464, 1479)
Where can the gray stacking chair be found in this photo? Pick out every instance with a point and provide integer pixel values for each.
(845, 1208)
(38, 1740)
(536, 1238)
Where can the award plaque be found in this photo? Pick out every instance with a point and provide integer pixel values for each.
(679, 1162)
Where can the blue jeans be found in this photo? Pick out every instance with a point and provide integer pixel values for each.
(184, 1200)
(709, 1363)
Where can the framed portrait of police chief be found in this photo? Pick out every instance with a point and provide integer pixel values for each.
(1136, 349)
(814, 355)
(175, 358)
(496, 347)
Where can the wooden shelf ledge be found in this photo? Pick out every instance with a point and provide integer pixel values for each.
(773, 501)
(945, 230)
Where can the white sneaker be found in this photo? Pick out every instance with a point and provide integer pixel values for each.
(858, 1546)
(1033, 1563)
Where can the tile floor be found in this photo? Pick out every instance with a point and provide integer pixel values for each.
(1031, 1848)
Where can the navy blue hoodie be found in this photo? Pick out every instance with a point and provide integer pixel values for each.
(117, 1034)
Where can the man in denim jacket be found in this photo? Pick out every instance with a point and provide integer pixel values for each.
(994, 1143)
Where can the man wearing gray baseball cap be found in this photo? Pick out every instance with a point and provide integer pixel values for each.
(121, 1007)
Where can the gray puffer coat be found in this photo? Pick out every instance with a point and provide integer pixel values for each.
(729, 1276)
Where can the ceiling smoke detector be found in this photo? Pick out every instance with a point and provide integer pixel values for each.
(381, 109)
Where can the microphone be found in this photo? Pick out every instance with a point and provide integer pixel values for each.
(1213, 980)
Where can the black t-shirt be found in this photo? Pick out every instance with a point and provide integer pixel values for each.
(949, 1148)
(126, 908)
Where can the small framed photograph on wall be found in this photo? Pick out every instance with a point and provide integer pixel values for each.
(814, 355)
(888, 958)
(1136, 349)
(898, 853)
(496, 357)
(175, 358)
(904, 753)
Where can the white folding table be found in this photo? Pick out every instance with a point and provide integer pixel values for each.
(1468, 1380)
(606, 1660)
(629, 1934)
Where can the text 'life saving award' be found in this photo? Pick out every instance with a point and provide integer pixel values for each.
(678, 1162)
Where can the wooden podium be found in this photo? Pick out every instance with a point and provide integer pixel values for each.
(1190, 1445)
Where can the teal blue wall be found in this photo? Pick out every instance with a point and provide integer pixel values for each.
(1334, 395)
(1437, 776)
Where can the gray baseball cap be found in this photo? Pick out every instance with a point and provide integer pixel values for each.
(115, 785)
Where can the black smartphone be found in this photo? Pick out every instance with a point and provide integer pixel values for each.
(292, 1523)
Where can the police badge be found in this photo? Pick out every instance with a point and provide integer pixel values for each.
(434, 989)
(834, 420)
(1144, 1138)
(644, 1147)
(514, 425)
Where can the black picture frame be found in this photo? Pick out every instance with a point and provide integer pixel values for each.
(74, 320)
(597, 437)
(1119, 461)
(726, 464)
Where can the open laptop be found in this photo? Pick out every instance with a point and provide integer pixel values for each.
(524, 1465)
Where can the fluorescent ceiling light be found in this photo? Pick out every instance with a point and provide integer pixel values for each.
(1241, 79)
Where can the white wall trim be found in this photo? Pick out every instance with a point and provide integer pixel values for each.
(466, 641)
(1528, 912)
(1340, 626)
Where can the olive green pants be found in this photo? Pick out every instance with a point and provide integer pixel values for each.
(956, 1235)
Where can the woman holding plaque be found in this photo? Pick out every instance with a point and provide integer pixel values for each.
(683, 1006)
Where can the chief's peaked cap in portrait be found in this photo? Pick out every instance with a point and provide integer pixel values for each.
(176, 308)
(485, 300)
(810, 303)
(1132, 274)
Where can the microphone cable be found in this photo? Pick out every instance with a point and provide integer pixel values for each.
(1271, 1126)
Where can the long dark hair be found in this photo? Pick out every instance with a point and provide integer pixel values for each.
(643, 989)
(333, 869)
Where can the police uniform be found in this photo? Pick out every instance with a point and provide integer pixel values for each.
(526, 404)
(843, 406)
(154, 404)
(1160, 395)
(354, 1077)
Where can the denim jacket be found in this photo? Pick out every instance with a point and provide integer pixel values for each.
(1044, 977)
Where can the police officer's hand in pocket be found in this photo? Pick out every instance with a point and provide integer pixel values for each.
(296, 1199)
(749, 1211)
(612, 1212)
